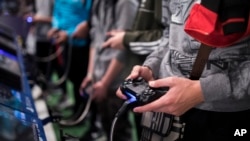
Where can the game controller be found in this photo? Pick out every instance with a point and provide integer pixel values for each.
(138, 90)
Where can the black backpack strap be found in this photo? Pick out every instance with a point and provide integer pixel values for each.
(200, 62)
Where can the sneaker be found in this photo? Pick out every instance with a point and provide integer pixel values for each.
(98, 136)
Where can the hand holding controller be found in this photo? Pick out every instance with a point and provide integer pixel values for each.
(87, 91)
(139, 91)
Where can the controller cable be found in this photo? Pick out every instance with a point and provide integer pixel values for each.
(81, 117)
(70, 122)
(67, 66)
(50, 57)
(122, 109)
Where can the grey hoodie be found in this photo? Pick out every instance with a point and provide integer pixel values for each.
(225, 81)
(107, 16)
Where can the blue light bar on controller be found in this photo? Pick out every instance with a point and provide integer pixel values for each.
(131, 97)
(4, 53)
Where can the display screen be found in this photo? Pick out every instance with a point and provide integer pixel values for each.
(14, 129)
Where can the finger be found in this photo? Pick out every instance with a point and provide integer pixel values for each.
(81, 87)
(49, 35)
(135, 72)
(107, 43)
(165, 82)
(59, 40)
(109, 33)
(120, 94)
(80, 91)
(112, 32)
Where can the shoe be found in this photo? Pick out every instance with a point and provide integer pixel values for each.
(98, 136)
(95, 131)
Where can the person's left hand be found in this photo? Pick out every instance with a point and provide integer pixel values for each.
(61, 37)
(115, 40)
(183, 94)
(100, 91)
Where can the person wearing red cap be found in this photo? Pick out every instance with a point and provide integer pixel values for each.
(216, 106)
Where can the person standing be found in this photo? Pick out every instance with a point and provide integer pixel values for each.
(70, 28)
(145, 36)
(108, 67)
(213, 106)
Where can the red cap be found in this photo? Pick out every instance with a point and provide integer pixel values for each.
(205, 25)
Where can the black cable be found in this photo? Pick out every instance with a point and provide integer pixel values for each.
(112, 128)
(70, 122)
(63, 78)
(68, 65)
(51, 57)
(117, 115)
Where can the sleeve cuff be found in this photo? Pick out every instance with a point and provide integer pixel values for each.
(215, 87)
(126, 40)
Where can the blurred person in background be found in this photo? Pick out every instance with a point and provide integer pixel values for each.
(17, 8)
(145, 36)
(41, 23)
(70, 30)
(37, 44)
(108, 67)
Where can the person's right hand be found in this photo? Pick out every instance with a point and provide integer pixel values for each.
(115, 40)
(137, 71)
(61, 37)
(51, 33)
(183, 94)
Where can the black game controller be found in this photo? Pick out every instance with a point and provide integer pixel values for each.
(138, 90)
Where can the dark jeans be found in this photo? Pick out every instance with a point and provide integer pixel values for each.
(216, 126)
(77, 70)
(107, 109)
(43, 49)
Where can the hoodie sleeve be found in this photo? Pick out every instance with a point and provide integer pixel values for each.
(147, 29)
(126, 12)
(142, 42)
(232, 84)
(153, 61)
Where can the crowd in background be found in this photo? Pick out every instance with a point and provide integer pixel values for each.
(81, 27)
(105, 42)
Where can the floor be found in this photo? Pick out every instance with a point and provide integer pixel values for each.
(43, 113)
(52, 130)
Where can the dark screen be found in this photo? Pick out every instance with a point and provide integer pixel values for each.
(13, 129)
